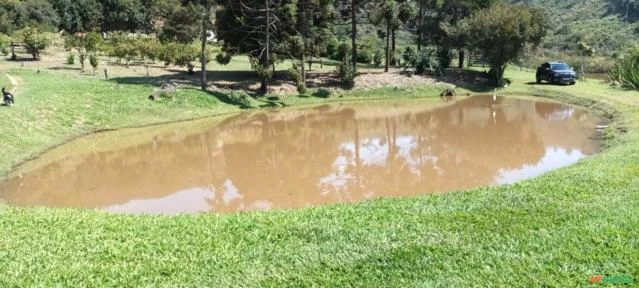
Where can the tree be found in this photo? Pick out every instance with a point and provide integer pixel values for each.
(5, 41)
(121, 15)
(259, 29)
(186, 23)
(122, 46)
(78, 15)
(205, 7)
(501, 33)
(34, 42)
(385, 13)
(436, 27)
(182, 55)
(85, 44)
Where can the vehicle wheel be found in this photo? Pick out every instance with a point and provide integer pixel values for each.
(538, 80)
(573, 83)
(550, 81)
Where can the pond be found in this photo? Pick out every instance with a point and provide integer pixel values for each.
(280, 159)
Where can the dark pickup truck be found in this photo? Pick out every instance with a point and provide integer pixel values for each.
(556, 72)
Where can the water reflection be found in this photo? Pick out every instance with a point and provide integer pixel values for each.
(329, 154)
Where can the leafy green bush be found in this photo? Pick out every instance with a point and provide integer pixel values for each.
(294, 75)
(347, 72)
(409, 56)
(444, 58)
(93, 60)
(4, 44)
(301, 88)
(149, 48)
(34, 42)
(343, 51)
(71, 59)
(378, 58)
(179, 54)
(626, 71)
(426, 60)
(364, 56)
(223, 58)
(122, 47)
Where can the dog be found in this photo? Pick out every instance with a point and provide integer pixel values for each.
(8, 97)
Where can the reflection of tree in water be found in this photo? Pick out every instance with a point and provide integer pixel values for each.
(310, 157)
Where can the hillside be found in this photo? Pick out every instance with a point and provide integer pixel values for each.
(607, 25)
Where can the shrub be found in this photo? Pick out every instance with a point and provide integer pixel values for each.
(426, 60)
(149, 48)
(93, 60)
(343, 51)
(301, 88)
(409, 56)
(364, 56)
(322, 93)
(626, 71)
(4, 44)
(71, 59)
(179, 54)
(223, 58)
(34, 43)
(347, 72)
(444, 58)
(331, 46)
(378, 58)
(294, 75)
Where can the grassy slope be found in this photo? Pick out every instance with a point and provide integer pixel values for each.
(556, 230)
(600, 23)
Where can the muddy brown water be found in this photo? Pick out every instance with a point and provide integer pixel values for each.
(298, 158)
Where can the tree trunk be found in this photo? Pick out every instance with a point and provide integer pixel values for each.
(388, 37)
(393, 47)
(203, 60)
(265, 55)
(420, 23)
(354, 33)
(462, 55)
(82, 58)
(303, 31)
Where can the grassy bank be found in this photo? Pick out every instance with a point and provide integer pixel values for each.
(556, 230)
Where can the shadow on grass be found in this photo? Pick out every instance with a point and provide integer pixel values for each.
(474, 81)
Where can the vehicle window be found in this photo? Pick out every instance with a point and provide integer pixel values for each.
(560, 67)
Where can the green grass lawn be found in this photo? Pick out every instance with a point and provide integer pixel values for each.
(554, 231)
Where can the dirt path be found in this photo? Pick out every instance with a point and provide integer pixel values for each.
(14, 83)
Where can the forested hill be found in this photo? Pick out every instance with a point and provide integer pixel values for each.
(606, 25)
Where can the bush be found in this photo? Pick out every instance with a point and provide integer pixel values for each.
(409, 56)
(149, 48)
(71, 59)
(331, 46)
(347, 72)
(343, 51)
(93, 60)
(364, 56)
(223, 58)
(378, 58)
(4, 44)
(34, 43)
(294, 75)
(323, 93)
(301, 88)
(179, 54)
(626, 71)
(426, 60)
(444, 58)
